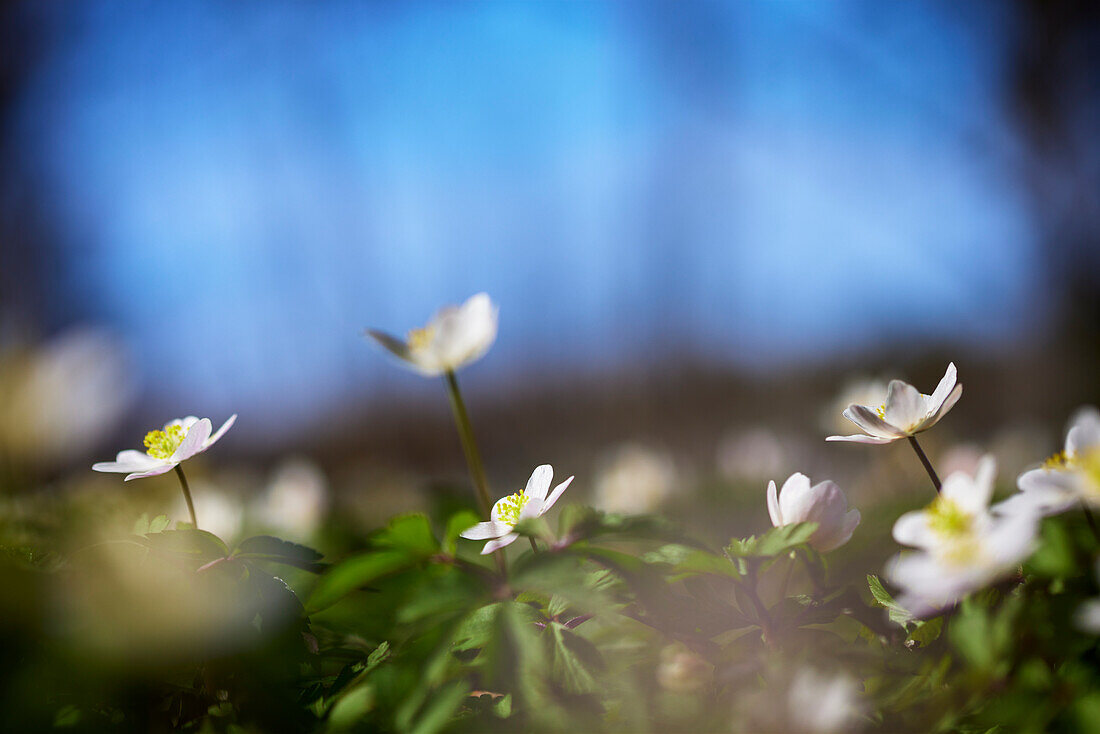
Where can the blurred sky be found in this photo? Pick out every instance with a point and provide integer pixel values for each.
(240, 188)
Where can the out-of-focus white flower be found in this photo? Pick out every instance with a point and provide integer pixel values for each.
(633, 480)
(823, 503)
(165, 449)
(221, 513)
(859, 391)
(296, 499)
(508, 511)
(1066, 478)
(1088, 614)
(906, 412)
(965, 458)
(682, 671)
(455, 336)
(751, 454)
(817, 702)
(964, 547)
(58, 400)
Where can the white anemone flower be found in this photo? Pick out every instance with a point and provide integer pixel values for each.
(534, 501)
(455, 336)
(166, 449)
(823, 503)
(906, 412)
(1066, 478)
(962, 546)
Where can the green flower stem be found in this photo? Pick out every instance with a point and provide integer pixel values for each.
(469, 445)
(187, 496)
(534, 547)
(927, 464)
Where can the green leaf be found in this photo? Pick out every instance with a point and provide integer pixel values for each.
(409, 533)
(898, 614)
(197, 544)
(925, 631)
(573, 660)
(773, 543)
(458, 522)
(443, 704)
(158, 524)
(354, 573)
(276, 550)
(350, 707)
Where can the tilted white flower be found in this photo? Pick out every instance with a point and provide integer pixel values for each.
(906, 412)
(534, 501)
(455, 336)
(823, 503)
(632, 479)
(165, 449)
(962, 546)
(1066, 478)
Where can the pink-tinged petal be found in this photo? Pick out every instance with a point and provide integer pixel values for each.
(825, 542)
(1048, 479)
(486, 530)
(533, 507)
(773, 506)
(943, 390)
(904, 407)
(152, 472)
(795, 498)
(539, 483)
(192, 443)
(864, 439)
(499, 543)
(558, 490)
(1084, 434)
(871, 423)
(221, 432)
(948, 404)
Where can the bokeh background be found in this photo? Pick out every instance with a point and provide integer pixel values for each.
(703, 222)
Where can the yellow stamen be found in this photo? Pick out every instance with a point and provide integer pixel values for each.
(1059, 461)
(947, 519)
(881, 410)
(420, 338)
(162, 444)
(508, 508)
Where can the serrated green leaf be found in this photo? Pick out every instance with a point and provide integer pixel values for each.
(574, 659)
(188, 542)
(773, 543)
(926, 631)
(456, 524)
(409, 533)
(158, 524)
(898, 614)
(443, 703)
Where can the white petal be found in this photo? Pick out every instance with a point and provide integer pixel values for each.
(164, 469)
(943, 390)
(539, 483)
(839, 535)
(422, 361)
(972, 495)
(905, 407)
(948, 404)
(499, 543)
(1084, 434)
(912, 529)
(773, 506)
(795, 498)
(486, 530)
(192, 443)
(867, 419)
(463, 334)
(858, 438)
(221, 432)
(555, 495)
(128, 461)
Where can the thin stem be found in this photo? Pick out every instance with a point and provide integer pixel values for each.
(534, 547)
(1091, 519)
(187, 496)
(469, 445)
(927, 464)
(473, 458)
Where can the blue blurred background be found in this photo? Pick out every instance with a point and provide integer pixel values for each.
(237, 189)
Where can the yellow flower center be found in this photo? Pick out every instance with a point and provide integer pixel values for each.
(947, 519)
(508, 508)
(1058, 461)
(1089, 464)
(162, 444)
(881, 410)
(420, 338)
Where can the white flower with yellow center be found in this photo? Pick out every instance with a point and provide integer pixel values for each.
(906, 412)
(534, 501)
(962, 546)
(823, 503)
(455, 336)
(1066, 478)
(165, 449)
